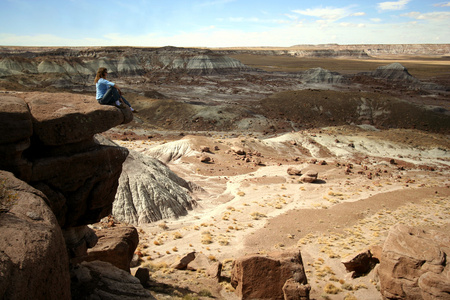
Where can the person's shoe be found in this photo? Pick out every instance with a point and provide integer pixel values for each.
(119, 104)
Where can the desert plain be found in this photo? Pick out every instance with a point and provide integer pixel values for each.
(250, 197)
(368, 181)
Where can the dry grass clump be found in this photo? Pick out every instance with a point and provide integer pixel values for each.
(331, 289)
(163, 226)
(7, 198)
(177, 235)
(223, 240)
(257, 215)
(206, 238)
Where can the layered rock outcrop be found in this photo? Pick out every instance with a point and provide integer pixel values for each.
(48, 141)
(82, 63)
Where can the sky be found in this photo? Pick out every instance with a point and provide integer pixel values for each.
(222, 23)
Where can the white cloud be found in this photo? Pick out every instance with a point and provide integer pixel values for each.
(432, 16)
(358, 14)
(398, 5)
(444, 4)
(319, 32)
(376, 20)
(328, 13)
(255, 20)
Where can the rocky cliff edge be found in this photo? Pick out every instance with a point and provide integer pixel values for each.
(59, 180)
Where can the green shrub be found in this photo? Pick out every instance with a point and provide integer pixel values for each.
(7, 198)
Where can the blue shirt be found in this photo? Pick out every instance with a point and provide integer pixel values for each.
(102, 86)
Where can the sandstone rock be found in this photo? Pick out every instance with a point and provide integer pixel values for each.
(294, 290)
(201, 262)
(413, 264)
(263, 276)
(183, 262)
(309, 177)
(360, 264)
(294, 171)
(33, 257)
(149, 191)
(64, 118)
(115, 245)
(102, 280)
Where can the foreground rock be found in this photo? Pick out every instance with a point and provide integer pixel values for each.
(48, 141)
(264, 276)
(101, 280)
(53, 149)
(33, 259)
(115, 245)
(414, 264)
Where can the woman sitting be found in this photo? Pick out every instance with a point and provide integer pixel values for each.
(108, 92)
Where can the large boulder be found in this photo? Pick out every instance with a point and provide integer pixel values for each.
(115, 245)
(414, 265)
(33, 259)
(264, 276)
(48, 142)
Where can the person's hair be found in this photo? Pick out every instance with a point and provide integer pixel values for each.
(100, 74)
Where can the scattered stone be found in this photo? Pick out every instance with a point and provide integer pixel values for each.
(204, 149)
(294, 171)
(257, 161)
(205, 159)
(183, 262)
(238, 151)
(361, 264)
(294, 290)
(309, 177)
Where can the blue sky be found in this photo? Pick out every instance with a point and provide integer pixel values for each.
(221, 23)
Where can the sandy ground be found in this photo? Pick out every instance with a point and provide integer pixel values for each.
(368, 181)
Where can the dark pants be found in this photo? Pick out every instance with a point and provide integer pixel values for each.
(111, 96)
